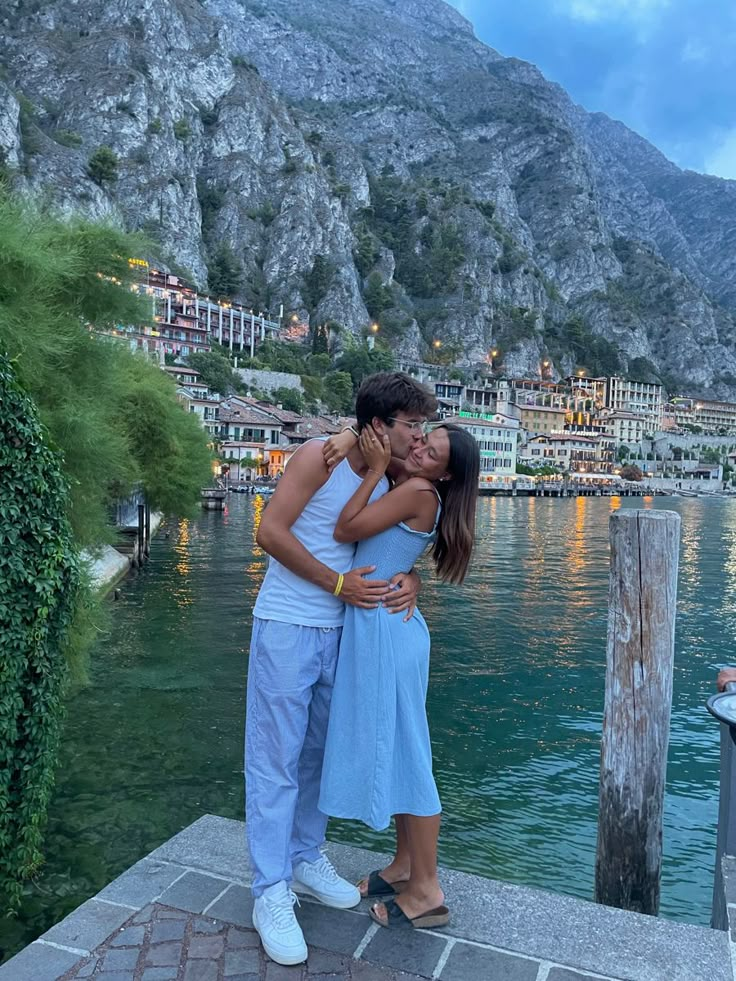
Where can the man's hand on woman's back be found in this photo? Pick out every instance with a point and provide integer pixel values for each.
(366, 593)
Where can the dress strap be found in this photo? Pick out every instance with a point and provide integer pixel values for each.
(439, 510)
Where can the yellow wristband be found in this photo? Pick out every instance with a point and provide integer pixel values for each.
(338, 589)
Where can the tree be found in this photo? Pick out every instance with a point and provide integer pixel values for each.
(61, 284)
(711, 455)
(224, 272)
(338, 392)
(216, 371)
(359, 362)
(622, 453)
(319, 364)
(290, 398)
(102, 165)
(376, 296)
(631, 472)
(317, 281)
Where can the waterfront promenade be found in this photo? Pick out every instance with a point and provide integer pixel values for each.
(183, 914)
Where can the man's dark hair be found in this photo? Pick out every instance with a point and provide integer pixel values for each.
(388, 392)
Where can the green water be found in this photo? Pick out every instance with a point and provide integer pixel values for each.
(515, 703)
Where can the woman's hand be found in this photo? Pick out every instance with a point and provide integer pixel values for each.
(405, 587)
(376, 450)
(336, 448)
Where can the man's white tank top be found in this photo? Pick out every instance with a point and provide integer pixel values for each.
(289, 598)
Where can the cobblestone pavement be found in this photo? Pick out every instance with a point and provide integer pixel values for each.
(165, 944)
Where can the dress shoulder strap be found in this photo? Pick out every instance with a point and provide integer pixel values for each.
(439, 510)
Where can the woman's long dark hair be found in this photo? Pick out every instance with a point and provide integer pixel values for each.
(456, 528)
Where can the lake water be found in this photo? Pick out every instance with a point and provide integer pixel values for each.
(515, 703)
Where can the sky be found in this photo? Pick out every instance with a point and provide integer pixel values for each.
(665, 68)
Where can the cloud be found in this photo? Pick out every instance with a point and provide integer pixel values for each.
(694, 51)
(721, 160)
(660, 66)
(594, 11)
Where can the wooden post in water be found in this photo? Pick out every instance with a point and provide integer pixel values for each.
(645, 547)
(141, 534)
(148, 528)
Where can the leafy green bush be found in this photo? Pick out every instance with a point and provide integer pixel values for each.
(30, 133)
(486, 208)
(182, 130)
(39, 579)
(102, 166)
(67, 137)
(265, 214)
(510, 259)
(155, 126)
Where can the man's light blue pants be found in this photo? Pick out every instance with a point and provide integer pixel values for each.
(291, 673)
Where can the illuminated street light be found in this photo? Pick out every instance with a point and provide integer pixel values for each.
(374, 328)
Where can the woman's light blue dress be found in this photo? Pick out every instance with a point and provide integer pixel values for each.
(378, 758)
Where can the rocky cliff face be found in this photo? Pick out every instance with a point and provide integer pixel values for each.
(370, 159)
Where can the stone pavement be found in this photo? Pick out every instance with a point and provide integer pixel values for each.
(183, 913)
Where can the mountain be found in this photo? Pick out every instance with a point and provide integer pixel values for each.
(371, 159)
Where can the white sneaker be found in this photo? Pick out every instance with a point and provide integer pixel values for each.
(320, 880)
(273, 918)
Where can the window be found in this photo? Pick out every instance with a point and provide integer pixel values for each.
(274, 436)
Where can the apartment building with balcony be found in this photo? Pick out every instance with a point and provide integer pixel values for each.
(626, 427)
(713, 417)
(566, 452)
(538, 420)
(186, 321)
(497, 438)
(641, 398)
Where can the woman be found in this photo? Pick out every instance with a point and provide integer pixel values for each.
(378, 759)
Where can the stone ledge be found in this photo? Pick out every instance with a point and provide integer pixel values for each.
(531, 922)
(199, 877)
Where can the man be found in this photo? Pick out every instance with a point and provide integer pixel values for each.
(297, 622)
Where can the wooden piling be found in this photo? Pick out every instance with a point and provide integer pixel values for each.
(141, 534)
(640, 652)
(148, 528)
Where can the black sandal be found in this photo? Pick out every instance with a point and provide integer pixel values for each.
(377, 886)
(437, 917)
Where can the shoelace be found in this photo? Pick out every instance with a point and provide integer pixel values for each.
(325, 868)
(282, 910)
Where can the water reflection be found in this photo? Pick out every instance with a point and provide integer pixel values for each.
(182, 590)
(515, 703)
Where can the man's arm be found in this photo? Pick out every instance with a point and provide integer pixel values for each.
(302, 479)
(725, 677)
